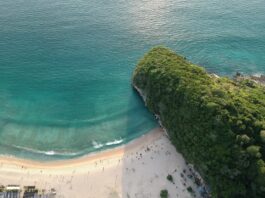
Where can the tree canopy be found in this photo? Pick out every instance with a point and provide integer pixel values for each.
(217, 123)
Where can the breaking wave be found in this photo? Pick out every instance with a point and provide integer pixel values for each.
(51, 152)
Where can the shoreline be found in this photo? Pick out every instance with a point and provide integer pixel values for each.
(136, 169)
(152, 135)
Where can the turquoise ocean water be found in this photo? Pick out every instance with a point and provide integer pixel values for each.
(66, 65)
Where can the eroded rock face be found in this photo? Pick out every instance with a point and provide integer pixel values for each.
(260, 78)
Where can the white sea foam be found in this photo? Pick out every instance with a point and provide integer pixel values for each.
(97, 145)
(114, 142)
(51, 152)
(258, 74)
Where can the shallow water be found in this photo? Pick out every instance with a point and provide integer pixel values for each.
(66, 65)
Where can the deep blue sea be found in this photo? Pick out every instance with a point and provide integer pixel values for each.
(66, 65)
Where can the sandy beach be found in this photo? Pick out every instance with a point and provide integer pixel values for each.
(138, 169)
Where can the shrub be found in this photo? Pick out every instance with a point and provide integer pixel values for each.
(164, 194)
(189, 189)
(170, 178)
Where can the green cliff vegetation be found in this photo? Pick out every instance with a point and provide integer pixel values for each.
(218, 124)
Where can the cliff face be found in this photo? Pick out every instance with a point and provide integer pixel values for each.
(216, 123)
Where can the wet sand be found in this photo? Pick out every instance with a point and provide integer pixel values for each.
(137, 169)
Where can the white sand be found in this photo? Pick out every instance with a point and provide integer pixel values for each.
(130, 171)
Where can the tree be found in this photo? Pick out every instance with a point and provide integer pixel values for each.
(164, 194)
